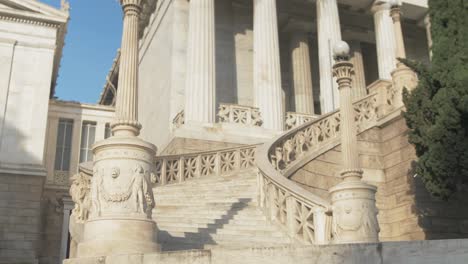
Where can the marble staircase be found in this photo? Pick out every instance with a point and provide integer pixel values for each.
(214, 212)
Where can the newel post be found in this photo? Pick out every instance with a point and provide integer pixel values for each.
(353, 201)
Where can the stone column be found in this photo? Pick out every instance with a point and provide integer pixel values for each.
(301, 75)
(121, 197)
(359, 81)
(200, 93)
(67, 207)
(384, 38)
(427, 23)
(268, 94)
(329, 32)
(402, 77)
(353, 201)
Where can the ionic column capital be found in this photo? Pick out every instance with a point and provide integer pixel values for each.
(395, 13)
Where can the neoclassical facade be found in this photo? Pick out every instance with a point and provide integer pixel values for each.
(274, 141)
(271, 57)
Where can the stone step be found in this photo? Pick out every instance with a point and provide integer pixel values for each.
(164, 236)
(222, 231)
(207, 194)
(228, 203)
(206, 187)
(253, 221)
(211, 214)
(214, 207)
(220, 225)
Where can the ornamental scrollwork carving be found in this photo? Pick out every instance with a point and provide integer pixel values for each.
(360, 217)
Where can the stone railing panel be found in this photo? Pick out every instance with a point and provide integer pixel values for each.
(179, 168)
(239, 114)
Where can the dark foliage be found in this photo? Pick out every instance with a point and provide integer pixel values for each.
(437, 110)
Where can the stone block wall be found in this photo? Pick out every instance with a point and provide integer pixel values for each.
(20, 210)
(406, 210)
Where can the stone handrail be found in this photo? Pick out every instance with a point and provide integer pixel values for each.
(305, 216)
(239, 114)
(294, 119)
(174, 169)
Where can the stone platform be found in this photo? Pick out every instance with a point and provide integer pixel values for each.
(414, 252)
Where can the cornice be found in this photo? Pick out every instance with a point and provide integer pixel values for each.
(78, 105)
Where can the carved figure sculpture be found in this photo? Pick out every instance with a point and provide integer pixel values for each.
(256, 118)
(288, 149)
(223, 113)
(142, 194)
(79, 191)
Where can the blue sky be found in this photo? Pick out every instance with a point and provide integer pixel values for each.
(94, 35)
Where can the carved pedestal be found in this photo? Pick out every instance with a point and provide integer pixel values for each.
(402, 77)
(121, 199)
(354, 211)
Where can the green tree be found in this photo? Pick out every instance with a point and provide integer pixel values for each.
(437, 109)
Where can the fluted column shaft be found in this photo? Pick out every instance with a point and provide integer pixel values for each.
(385, 39)
(268, 94)
(329, 32)
(301, 73)
(343, 71)
(126, 109)
(399, 41)
(200, 92)
(359, 81)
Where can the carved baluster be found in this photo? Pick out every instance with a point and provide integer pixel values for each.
(164, 172)
(260, 189)
(237, 157)
(181, 172)
(231, 114)
(198, 165)
(273, 197)
(218, 161)
(320, 226)
(291, 223)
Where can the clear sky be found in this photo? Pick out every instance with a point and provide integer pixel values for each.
(94, 35)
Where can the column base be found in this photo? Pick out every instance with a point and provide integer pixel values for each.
(354, 213)
(111, 236)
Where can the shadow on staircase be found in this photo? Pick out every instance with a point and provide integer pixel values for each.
(203, 236)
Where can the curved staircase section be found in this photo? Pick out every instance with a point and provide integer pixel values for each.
(304, 215)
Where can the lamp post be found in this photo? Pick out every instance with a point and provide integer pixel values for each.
(121, 197)
(353, 201)
(402, 76)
